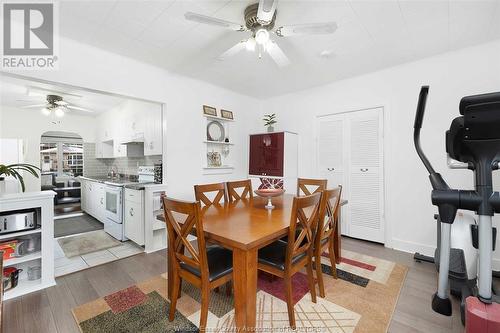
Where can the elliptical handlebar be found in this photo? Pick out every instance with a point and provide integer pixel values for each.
(422, 100)
(419, 118)
(445, 198)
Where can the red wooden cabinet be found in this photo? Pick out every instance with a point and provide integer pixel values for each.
(267, 154)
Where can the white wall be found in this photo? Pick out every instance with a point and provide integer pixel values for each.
(28, 125)
(409, 222)
(90, 67)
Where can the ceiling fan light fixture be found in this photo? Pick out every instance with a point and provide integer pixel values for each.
(46, 112)
(261, 36)
(59, 112)
(250, 44)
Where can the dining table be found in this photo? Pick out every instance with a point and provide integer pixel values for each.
(244, 226)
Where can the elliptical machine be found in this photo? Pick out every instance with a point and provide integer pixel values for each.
(473, 138)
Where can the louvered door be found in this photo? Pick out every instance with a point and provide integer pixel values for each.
(365, 175)
(350, 153)
(331, 154)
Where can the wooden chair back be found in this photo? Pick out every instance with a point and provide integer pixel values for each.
(247, 189)
(328, 214)
(179, 230)
(303, 183)
(201, 190)
(303, 221)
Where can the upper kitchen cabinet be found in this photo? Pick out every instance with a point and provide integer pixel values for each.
(132, 129)
(153, 142)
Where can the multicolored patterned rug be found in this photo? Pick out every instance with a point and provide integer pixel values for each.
(362, 299)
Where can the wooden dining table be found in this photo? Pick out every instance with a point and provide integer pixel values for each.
(244, 226)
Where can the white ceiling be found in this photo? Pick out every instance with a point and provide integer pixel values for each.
(372, 35)
(14, 92)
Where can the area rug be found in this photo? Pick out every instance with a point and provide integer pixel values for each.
(362, 299)
(86, 243)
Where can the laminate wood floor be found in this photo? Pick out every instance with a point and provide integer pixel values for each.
(49, 310)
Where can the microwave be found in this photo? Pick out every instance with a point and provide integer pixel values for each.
(19, 220)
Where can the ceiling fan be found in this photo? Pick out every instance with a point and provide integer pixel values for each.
(260, 21)
(57, 106)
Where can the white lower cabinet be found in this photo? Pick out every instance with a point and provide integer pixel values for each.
(134, 216)
(100, 204)
(93, 199)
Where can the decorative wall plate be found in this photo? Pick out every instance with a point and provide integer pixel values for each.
(215, 131)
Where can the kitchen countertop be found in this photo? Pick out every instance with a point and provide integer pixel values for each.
(135, 185)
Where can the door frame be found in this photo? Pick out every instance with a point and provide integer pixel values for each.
(383, 118)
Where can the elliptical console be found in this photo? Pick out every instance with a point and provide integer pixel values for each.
(473, 138)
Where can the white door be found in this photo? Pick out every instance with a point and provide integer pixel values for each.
(331, 155)
(366, 175)
(350, 153)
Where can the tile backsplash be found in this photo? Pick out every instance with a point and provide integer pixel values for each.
(124, 165)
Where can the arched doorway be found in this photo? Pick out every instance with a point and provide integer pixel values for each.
(61, 162)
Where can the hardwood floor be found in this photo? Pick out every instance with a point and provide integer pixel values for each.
(50, 310)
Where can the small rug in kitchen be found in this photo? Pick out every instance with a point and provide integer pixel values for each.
(88, 242)
(362, 299)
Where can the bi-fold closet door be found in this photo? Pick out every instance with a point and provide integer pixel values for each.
(350, 153)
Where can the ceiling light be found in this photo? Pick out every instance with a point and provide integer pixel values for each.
(261, 36)
(250, 44)
(46, 112)
(59, 112)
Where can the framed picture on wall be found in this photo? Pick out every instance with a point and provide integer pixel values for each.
(226, 114)
(209, 110)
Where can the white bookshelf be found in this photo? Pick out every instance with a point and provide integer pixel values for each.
(155, 231)
(43, 201)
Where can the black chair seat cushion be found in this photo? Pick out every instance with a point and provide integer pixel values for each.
(220, 263)
(275, 253)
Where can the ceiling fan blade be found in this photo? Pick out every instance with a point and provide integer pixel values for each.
(277, 54)
(307, 29)
(213, 21)
(61, 103)
(233, 50)
(78, 108)
(266, 11)
(33, 106)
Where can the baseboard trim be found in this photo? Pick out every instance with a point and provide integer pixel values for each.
(412, 247)
(428, 250)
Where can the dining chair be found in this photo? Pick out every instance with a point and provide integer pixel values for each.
(205, 268)
(324, 238)
(200, 192)
(284, 259)
(232, 186)
(303, 183)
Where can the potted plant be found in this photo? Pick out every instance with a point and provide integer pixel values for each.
(14, 171)
(269, 121)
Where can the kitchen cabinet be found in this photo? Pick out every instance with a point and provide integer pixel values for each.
(93, 198)
(119, 150)
(153, 133)
(134, 216)
(132, 121)
(100, 203)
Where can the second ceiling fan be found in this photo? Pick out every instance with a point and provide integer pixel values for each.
(260, 20)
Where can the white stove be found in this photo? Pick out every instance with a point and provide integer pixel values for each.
(113, 224)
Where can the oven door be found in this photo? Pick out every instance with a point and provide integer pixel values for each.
(113, 204)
